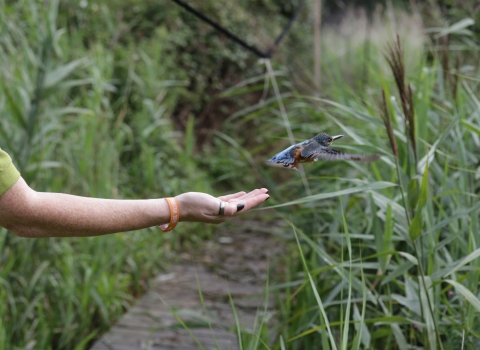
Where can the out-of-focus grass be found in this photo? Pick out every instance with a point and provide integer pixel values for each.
(87, 94)
(86, 120)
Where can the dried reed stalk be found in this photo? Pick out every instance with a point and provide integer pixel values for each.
(394, 58)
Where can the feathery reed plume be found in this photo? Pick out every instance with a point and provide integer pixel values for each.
(387, 120)
(397, 64)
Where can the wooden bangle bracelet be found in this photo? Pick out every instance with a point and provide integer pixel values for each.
(174, 214)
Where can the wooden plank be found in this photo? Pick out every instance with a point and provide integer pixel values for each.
(150, 325)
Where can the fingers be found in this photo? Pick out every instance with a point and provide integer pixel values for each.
(254, 201)
(202, 207)
(246, 202)
(231, 196)
(242, 195)
(252, 194)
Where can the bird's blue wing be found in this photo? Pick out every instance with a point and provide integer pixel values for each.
(286, 158)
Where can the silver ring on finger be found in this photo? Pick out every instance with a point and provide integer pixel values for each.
(221, 210)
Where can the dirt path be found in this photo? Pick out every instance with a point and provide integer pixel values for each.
(233, 265)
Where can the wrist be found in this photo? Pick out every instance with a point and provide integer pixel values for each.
(184, 207)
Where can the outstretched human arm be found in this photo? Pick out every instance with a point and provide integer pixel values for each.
(28, 213)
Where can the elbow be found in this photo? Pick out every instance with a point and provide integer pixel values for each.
(17, 209)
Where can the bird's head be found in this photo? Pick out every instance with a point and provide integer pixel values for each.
(325, 139)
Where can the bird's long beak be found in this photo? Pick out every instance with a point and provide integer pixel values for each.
(336, 137)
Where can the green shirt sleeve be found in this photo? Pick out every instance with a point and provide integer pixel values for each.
(9, 175)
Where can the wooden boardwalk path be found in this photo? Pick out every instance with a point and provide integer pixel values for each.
(151, 325)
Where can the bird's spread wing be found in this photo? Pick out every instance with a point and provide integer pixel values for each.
(310, 149)
(315, 152)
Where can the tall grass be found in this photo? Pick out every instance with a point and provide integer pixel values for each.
(415, 248)
(387, 254)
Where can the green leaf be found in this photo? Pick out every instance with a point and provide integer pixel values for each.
(400, 270)
(415, 228)
(457, 216)
(84, 342)
(409, 257)
(60, 73)
(189, 137)
(413, 193)
(346, 324)
(361, 328)
(17, 111)
(411, 300)
(387, 238)
(429, 157)
(471, 127)
(36, 276)
(427, 310)
(423, 192)
(43, 165)
(399, 337)
(60, 112)
(470, 257)
(466, 293)
(398, 212)
(456, 28)
(282, 343)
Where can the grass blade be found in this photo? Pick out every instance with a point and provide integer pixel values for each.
(317, 197)
(317, 296)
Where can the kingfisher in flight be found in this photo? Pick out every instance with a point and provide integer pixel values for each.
(314, 149)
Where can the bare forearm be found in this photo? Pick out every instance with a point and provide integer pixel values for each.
(64, 215)
(41, 214)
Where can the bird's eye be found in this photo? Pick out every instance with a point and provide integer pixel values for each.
(330, 140)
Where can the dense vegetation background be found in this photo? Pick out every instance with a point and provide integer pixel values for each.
(140, 99)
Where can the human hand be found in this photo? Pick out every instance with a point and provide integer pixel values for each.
(202, 207)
